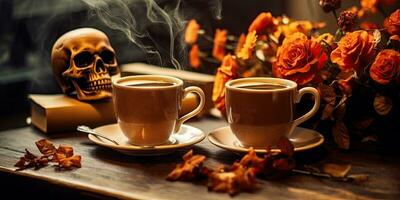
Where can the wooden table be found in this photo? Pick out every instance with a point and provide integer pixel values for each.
(108, 174)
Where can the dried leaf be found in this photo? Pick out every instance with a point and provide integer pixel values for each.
(68, 151)
(189, 170)
(327, 93)
(370, 138)
(30, 160)
(341, 135)
(336, 170)
(358, 178)
(364, 123)
(45, 147)
(340, 111)
(252, 160)
(382, 104)
(63, 156)
(69, 162)
(327, 112)
(237, 179)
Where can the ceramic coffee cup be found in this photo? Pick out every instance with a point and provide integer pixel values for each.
(260, 110)
(147, 107)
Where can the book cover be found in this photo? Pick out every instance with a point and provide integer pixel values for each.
(57, 112)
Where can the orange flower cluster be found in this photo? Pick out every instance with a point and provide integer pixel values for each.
(262, 22)
(220, 38)
(248, 47)
(354, 51)
(299, 59)
(227, 71)
(192, 32)
(194, 58)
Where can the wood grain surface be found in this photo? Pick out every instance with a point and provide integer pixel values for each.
(111, 174)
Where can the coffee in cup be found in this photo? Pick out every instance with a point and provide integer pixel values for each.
(260, 110)
(147, 107)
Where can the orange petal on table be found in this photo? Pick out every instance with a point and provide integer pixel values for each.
(219, 44)
(248, 47)
(261, 22)
(194, 58)
(191, 32)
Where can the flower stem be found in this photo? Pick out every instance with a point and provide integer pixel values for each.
(335, 15)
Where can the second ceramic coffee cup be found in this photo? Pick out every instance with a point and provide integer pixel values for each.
(260, 110)
(147, 107)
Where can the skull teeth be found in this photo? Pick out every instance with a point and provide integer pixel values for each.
(102, 84)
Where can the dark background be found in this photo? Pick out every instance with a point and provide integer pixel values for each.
(29, 28)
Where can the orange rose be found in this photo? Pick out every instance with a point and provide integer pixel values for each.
(226, 72)
(191, 32)
(194, 59)
(386, 67)
(248, 46)
(262, 22)
(299, 59)
(392, 23)
(218, 51)
(354, 50)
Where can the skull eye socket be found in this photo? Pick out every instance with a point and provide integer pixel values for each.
(107, 56)
(83, 59)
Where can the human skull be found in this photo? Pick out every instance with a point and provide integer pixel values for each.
(84, 61)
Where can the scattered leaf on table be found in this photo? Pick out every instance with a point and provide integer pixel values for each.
(64, 156)
(358, 178)
(236, 179)
(336, 170)
(45, 147)
(190, 169)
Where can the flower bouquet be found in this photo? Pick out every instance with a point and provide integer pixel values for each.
(356, 70)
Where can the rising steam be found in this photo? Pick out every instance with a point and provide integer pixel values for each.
(135, 17)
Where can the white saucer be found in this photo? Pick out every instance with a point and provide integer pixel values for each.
(187, 136)
(302, 139)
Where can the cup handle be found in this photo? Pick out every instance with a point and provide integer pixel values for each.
(313, 110)
(194, 112)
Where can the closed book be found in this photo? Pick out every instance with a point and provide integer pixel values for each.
(57, 112)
